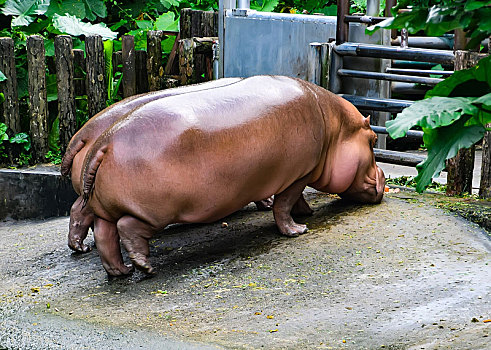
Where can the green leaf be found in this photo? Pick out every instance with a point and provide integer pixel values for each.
(269, 5)
(167, 44)
(475, 81)
(95, 8)
(72, 7)
(74, 26)
(24, 10)
(430, 113)
(2, 76)
(475, 4)
(21, 139)
(2, 97)
(169, 3)
(144, 24)
(3, 132)
(443, 144)
(166, 21)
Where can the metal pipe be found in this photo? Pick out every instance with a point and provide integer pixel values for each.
(244, 4)
(404, 38)
(418, 65)
(379, 51)
(422, 72)
(399, 158)
(364, 19)
(386, 76)
(411, 133)
(373, 7)
(437, 43)
(377, 104)
(342, 28)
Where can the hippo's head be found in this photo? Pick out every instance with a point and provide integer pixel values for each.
(369, 182)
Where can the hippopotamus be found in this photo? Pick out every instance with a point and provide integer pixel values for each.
(81, 219)
(218, 149)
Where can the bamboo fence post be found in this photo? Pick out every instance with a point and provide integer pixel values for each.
(141, 71)
(10, 107)
(66, 89)
(129, 61)
(38, 101)
(96, 83)
(154, 59)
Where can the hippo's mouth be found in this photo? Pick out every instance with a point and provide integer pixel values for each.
(371, 190)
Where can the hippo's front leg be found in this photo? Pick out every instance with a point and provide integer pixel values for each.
(107, 243)
(283, 205)
(134, 236)
(81, 219)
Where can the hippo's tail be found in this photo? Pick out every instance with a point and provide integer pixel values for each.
(91, 164)
(71, 151)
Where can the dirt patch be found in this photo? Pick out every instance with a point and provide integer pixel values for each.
(399, 275)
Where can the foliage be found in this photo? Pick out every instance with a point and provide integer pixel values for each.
(54, 157)
(19, 144)
(453, 115)
(436, 17)
(408, 181)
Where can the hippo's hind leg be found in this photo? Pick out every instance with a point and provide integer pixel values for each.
(283, 205)
(134, 235)
(81, 219)
(301, 207)
(107, 243)
(265, 204)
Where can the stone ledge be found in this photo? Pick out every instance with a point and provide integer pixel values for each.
(34, 193)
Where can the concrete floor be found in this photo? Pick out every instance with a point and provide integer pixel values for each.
(399, 275)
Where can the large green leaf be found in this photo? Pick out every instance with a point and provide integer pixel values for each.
(430, 113)
(54, 135)
(2, 76)
(83, 9)
(443, 144)
(475, 4)
(475, 81)
(167, 21)
(74, 26)
(269, 5)
(24, 10)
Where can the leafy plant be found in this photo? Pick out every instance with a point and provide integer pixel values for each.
(437, 17)
(54, 157)
(452, 116)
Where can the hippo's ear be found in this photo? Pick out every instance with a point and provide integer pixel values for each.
(367, 121)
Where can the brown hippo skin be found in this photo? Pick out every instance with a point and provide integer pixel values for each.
(219, 149)
(82, 219)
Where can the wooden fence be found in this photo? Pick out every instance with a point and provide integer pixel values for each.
(82, 72)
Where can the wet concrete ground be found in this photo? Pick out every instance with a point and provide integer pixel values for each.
(400, 275)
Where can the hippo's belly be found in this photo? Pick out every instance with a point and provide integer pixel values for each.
(201, 175)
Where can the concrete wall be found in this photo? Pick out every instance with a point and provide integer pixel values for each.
(34, 193)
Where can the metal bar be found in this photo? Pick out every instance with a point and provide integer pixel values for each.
(418, 65)
(378, 104)
(421, 72)
(379, 51)
(364, 19)
(436, 43)
(387, 76)
(411, 133)
(342, 28)
(399, 158)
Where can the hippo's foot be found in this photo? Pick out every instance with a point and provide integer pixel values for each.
(78, 246)
(81, 219)
(301, 208)
(107, 242)
(283, 205)
(292, 229)
(134, 236)
(265, 204)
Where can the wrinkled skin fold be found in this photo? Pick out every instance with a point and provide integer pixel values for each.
(199, 156)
